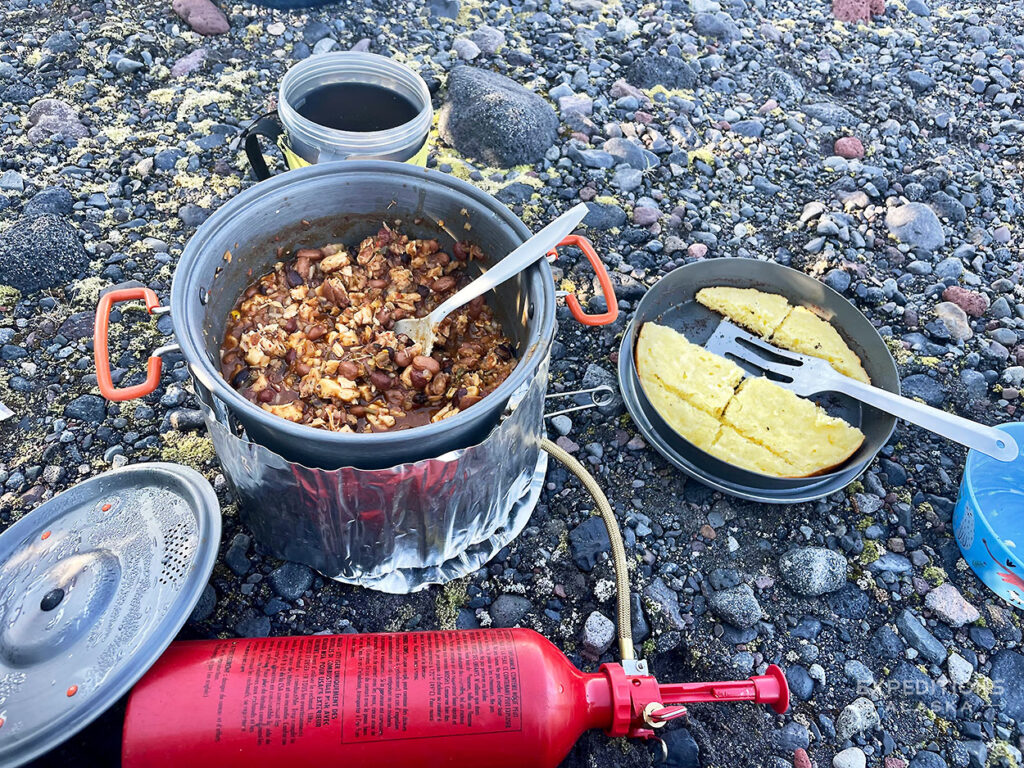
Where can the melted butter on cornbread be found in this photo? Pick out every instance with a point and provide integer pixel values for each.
(759, 426)
(777, 321)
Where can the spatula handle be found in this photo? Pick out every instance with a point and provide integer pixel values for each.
(992, 442)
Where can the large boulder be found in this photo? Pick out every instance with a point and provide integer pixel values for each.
(490, 118)
(40, 252)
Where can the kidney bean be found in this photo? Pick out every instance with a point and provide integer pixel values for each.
(442, 258)
(357, 410)
(475, 307)
(443, 284)
(459, 251)
(381, 380)
(302, 368)
(377, 283)
(420, 379)
(395, 396)
(294, 278)
(291, 324)
(402, 358)
(384, 318)
(289, 356)
(265, 395)
(468, 400)
(424, 363)
(315, 332)
(350, 370)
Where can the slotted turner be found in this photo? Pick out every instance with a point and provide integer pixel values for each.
(806, 375)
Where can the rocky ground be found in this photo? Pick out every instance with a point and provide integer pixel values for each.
(883, 158)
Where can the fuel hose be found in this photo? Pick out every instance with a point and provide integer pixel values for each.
(624, 623)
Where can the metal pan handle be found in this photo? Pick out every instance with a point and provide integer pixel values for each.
(101, 351)
(601, 395)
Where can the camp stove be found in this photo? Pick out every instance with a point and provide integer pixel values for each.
(95, 582)
(502, 698)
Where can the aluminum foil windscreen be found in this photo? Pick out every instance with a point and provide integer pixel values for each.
(398, 529)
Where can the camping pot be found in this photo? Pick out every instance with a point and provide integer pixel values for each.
(345, 202)
(305, 142)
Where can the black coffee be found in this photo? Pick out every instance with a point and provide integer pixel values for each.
(358, 107)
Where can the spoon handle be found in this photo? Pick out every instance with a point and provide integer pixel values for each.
(532, 250)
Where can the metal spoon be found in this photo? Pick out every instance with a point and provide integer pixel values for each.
(422, 329)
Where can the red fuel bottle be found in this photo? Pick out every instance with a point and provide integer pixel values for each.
(502, 698)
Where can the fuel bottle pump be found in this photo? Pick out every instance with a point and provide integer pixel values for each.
(501, 698)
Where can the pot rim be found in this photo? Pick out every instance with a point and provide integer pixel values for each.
(187, 282)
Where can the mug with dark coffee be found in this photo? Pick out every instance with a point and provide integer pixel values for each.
(336, 106)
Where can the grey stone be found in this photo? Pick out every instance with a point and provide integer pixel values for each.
(718, 25)
(830, 114)
(487, 38)
(291, 580)
(668, 601)
(683, 751)
(856, 718)
(587, 541)
(918, 636)
(508, 610)
(924, 387)
(598, 633)
(736, 606)
(630, 153)
(237, 555)
(750, 128)
(205, 605)
(1008, 676)
(253, 626)
(649, 70)
(813, 571)
(916, 225)
(492, 118)
(596, 376)
(56, 200)
(853, 757)
(91, 409)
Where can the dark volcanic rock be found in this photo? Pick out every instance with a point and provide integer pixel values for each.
(587, 541)
(651, 69)
(494, 119)
(40, 252)
(1008, 677)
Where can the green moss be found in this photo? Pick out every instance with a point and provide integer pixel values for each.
(865, 523)
(704, 154)
(872, 551)
(399, 618)
(9, 296)
(194, 451)
(934, 575)
(647, 648)
(983, 686)
(855, 487)
(1001, 751)
(450, 599)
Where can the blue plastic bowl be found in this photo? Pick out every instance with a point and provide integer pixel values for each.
(989, 520)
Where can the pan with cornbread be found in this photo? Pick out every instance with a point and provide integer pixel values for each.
(729, 427)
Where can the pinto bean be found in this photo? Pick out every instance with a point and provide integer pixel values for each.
(475, 308)
(424, 363)
(420, 379)
(377, 283)
(382, 381)
(467, 400)
(402, 358)
(265, 395)
(350, 370)
(314, 332)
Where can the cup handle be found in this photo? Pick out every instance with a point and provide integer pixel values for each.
(268, 126)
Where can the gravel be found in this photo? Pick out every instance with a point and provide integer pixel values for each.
(719, 130)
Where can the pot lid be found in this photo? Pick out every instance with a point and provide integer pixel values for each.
(94, 584)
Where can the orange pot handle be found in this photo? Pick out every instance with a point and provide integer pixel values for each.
(102, 353)
(603, 318)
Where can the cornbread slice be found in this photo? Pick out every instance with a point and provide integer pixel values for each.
(702, 378)
(755, 310)
(697, 426)
(734, 448)
(793, 428)
(804, 332)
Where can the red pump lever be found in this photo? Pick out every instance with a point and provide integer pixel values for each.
(770, 688)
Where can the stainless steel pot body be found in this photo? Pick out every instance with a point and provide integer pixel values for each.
(344, 202)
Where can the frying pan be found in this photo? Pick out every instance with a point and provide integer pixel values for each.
(672, 302)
